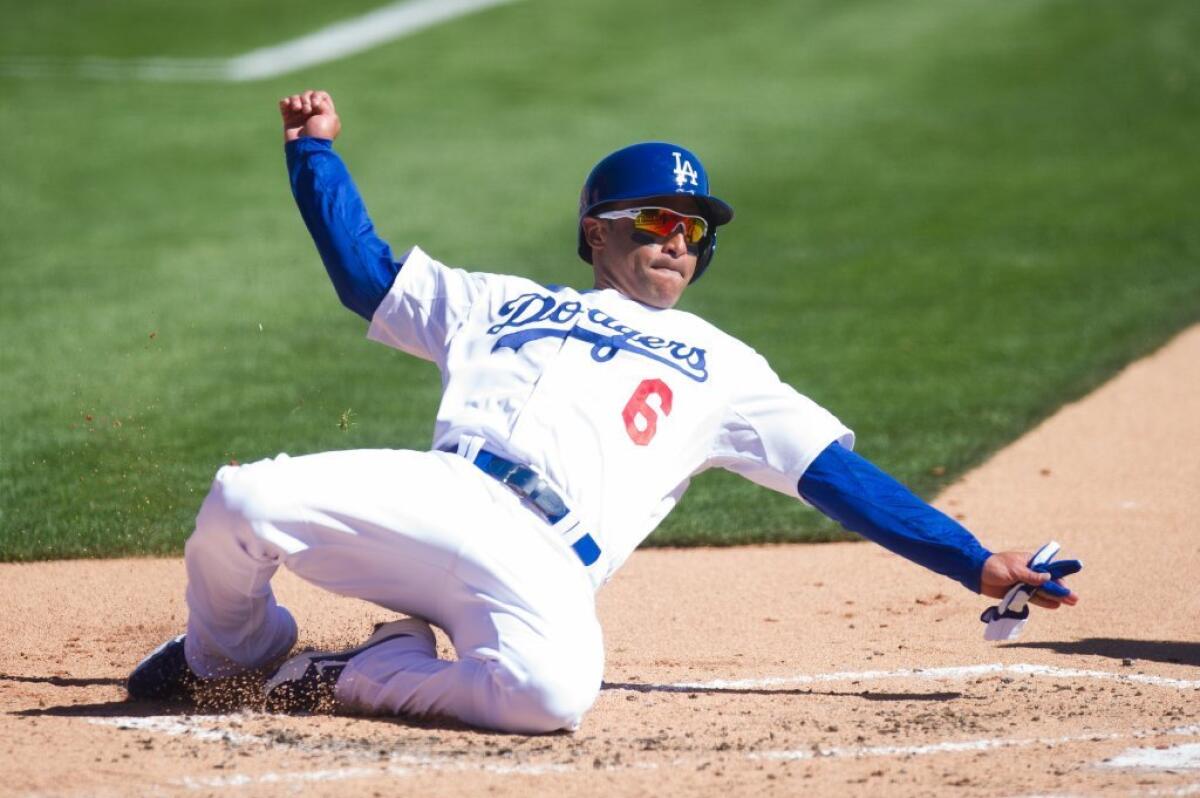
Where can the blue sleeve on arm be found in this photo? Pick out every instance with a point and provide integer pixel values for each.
(859, 496)
(359, 262)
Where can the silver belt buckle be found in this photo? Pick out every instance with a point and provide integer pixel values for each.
(522, 479)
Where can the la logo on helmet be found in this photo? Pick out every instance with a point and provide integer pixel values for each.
(684, 171)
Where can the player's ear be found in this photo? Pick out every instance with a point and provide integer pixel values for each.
(594, 232)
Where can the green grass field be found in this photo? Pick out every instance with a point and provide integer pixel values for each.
(953, 216)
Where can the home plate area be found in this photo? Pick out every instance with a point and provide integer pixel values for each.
(1015, 729)
(843, 670)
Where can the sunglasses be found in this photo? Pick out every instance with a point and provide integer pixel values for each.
(662, 222)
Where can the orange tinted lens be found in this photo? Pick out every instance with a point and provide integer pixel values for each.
(662, 223)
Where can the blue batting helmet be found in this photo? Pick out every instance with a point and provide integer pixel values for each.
(652, 170)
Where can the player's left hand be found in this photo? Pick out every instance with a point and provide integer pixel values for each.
(309, 114)
(1004, 569)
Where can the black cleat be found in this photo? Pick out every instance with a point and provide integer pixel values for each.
(163, 675)
(305, 683)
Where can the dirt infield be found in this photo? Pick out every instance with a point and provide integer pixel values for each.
(782, 670)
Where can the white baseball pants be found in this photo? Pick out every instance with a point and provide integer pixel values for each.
(422, 533)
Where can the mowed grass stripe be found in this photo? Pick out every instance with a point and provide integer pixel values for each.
(952, 217)
(342, 39)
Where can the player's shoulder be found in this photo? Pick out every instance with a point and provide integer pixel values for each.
(418, 262)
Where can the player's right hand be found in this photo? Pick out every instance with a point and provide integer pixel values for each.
(309, 114)
(1004, 569)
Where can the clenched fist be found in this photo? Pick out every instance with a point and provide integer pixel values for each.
(309, 114)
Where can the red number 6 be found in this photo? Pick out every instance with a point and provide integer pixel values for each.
(639, 408)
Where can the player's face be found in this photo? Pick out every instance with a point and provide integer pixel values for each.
(653, 270)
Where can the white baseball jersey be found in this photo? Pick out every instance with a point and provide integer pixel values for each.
(615, 403)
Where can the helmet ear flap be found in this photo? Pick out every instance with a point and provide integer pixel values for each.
(705, 257)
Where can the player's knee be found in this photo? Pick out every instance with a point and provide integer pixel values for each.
(239, 496)
(549, 700)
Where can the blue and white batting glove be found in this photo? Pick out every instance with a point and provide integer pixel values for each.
(1006, 620)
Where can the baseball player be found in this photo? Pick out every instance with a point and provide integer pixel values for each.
(569, 427)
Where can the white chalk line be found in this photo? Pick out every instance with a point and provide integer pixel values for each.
(401, 765)
(1187, 789)
(1177, 757)
(224, 728)
(409, 765)
(215, 728)
(331, 43)
(210, 728)
(348, 774)
(961, 746)
(956, 673)
(243, 780)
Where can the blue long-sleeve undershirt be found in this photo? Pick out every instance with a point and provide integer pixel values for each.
(852, 491)
(359, 262)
